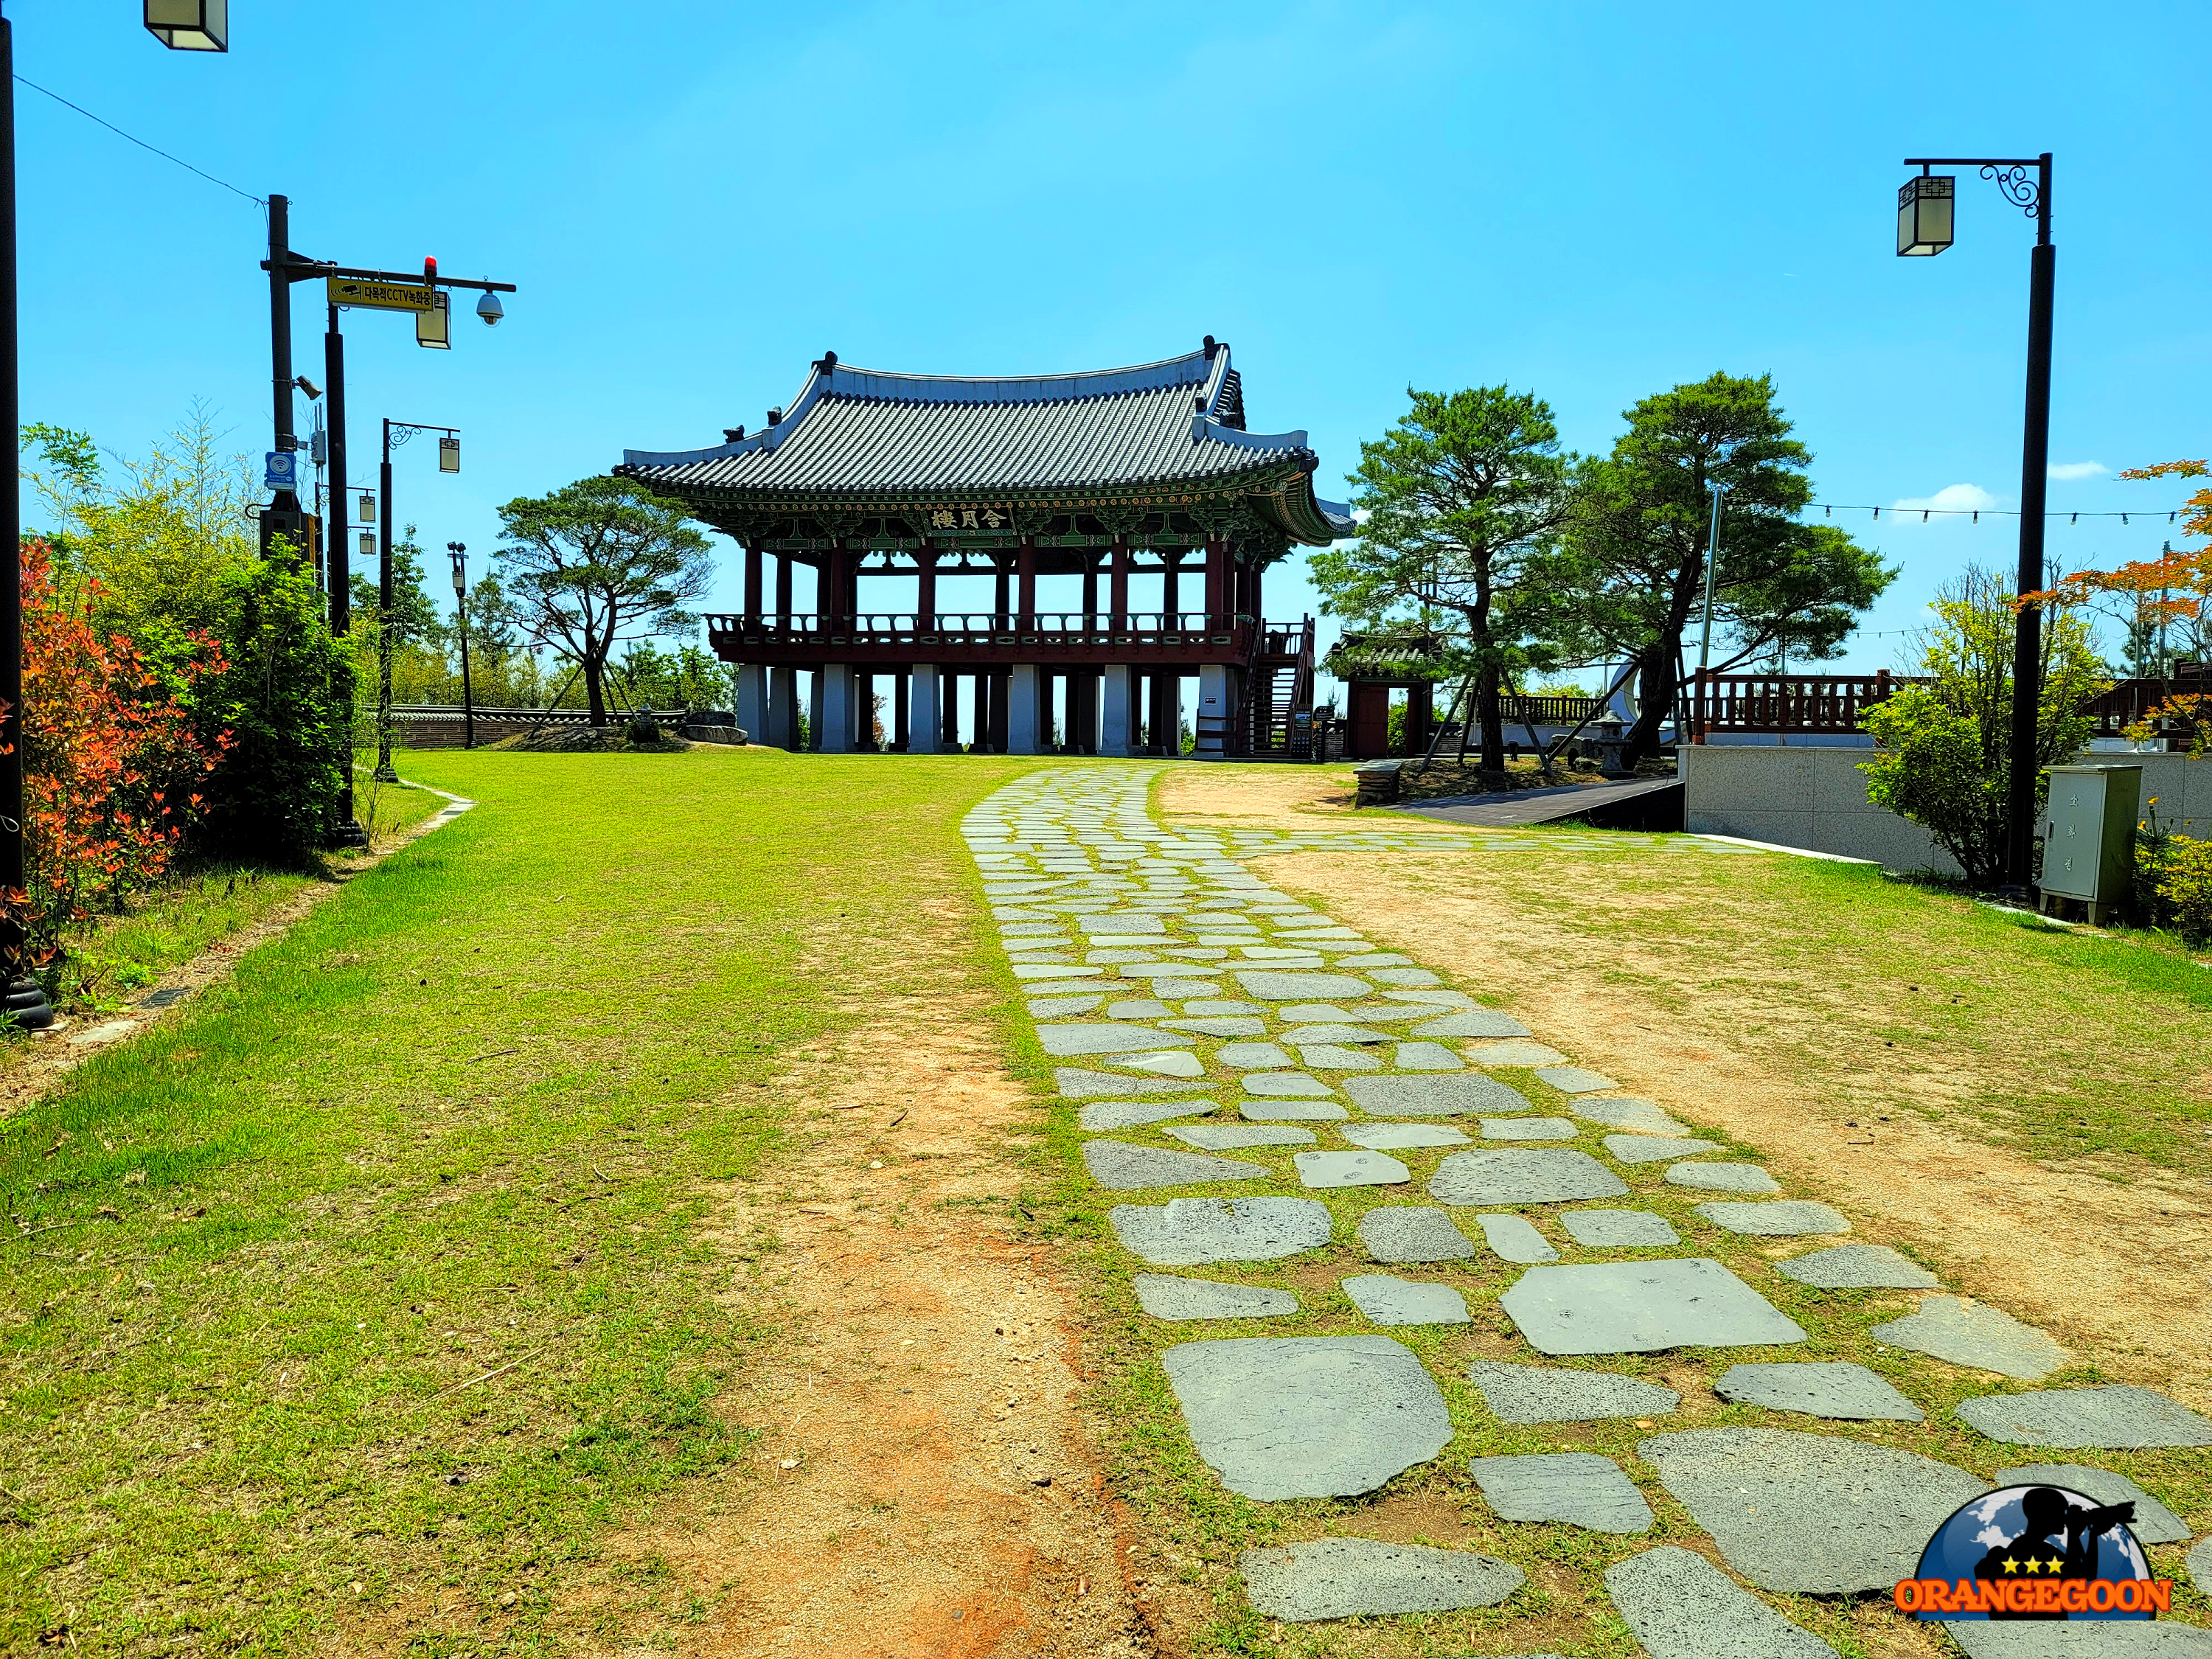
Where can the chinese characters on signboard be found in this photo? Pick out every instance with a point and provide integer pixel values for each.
(984, 519)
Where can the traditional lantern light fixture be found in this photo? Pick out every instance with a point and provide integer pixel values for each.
(190, 24)
(1924, 214)
(367, 505)
(449, 454)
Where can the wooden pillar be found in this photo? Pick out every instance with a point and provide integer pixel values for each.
(1253, 572)
(783, 591)
(924, 604)
(1117, 587)
(1160, 723)
(1090, 592)
(831, 600)
(1171, 599)
(1001, 688)
(1217, 579)
(1002, 616)
(1083, 711)
(948, 694)
(752, 582)
(1025, 618)
(902, 729)
(982, 713)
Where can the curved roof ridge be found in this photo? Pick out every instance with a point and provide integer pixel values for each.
(1193, 368)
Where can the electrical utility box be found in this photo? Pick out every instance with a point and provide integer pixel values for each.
(2089, 835)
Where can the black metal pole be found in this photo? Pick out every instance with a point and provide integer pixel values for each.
(336, 543)
(460, 553)
(23, 1000)
(384, 772)
(2027, 631)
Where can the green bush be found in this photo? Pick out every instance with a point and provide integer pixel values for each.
(276, 794)
(2183, 886)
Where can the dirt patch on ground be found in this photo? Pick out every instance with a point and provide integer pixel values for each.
(924, 1486)
(1287, 796)
(2116, 1271)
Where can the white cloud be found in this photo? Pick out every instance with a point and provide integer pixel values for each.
(2071, 471)
(1951, 498)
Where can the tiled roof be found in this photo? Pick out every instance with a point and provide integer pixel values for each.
(857, 432)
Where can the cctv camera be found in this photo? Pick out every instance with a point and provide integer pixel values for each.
(489, 308)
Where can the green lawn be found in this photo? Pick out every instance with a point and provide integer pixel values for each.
(370, 1290)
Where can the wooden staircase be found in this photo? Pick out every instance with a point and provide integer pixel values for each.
(1276, 721)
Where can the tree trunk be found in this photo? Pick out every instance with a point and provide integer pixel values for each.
(1660, 678)
(1494, 727)
(594, 695)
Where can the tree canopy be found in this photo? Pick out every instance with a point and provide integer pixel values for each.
(1628, 573)
(1462, 498)
(599, 562)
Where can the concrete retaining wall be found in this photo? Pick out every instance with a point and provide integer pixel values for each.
(1816, 799)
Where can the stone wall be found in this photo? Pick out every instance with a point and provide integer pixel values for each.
(1816, 799)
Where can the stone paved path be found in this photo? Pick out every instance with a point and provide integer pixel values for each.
(1193, 1002)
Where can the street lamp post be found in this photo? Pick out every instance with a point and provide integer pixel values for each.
(183, 26)
(1925, 228)
(460, 556)
(396, 433)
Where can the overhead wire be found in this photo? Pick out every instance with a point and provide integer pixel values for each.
(260, 202)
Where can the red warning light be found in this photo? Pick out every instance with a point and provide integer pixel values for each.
(429, 270)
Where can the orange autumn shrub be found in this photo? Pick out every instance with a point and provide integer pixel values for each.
(112, 765)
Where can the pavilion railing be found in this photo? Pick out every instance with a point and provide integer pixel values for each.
(985, 625)
(1783, 703)
(1530, 710)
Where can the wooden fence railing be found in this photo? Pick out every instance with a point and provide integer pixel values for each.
(1783, 703)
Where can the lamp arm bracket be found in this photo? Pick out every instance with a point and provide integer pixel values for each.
(2019, 179)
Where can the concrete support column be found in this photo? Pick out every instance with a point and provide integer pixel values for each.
(780, 725)
(1116, 706)
(833, 709)
(1024, 712)
(923, 718)
(753, 703)
(1216, 702)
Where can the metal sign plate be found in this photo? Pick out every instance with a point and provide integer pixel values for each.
(380, 296)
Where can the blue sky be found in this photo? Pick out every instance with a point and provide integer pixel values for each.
(1594, 202)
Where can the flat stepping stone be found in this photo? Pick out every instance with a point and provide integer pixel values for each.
(1681, 1606)
(1419, 978)
(1334, 1031)
(1982, 1638)
(1389, 1300)
(1516, 1052)
(1642, 1307)
(1361, 1577)
(1226, 1025)
(1403, 1137)
(1723, 1178)
(1307, 1417)
(1637, 1116)
(1785, 1217)
(1138, 1008)
(1233, 1137)
(1473, 1023)
(1121, 921)
(1302, 1013)
(1185, 1233)
(1811, 1513)
(1108, 1038)
(1292, 1111)
(1515, 1238)
(1337, 1057)
(2155, 1523)
(1550, 1393)
(1409, 1233)
(1529, 1129)
(2200, 1566)
(1177, 1063)
(2118, 1416)
(1287, 1085)
(1210, 1006)
(1433, 1097)
(1052, 1008)
(1580, 1488)
(1825, 1388)
(1654, 1149)
(1432, 997)
(1964, 1333)
(1053, 970)
(1427, 1057)
(1075, 1084)
(1575, 1079)
(1522, 1175)
(1270, 985)
(1858, 1267)
(1361, 1168)
(1164, 1296)
(1133, 1114)
(1374, 959)
(1252, 1056)
(1613, 1229)
(1184, 987)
